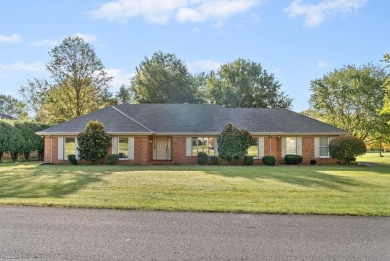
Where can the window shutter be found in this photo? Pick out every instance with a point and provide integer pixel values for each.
(261, 147)
(131, 148)
(60, 148)
(216, 146)
(188, 146)
(299, 146)
(114, 145)
(283, 147)
(316, 147)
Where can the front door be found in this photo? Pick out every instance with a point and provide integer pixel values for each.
(162, 148)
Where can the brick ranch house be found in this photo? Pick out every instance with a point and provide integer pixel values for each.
(175, 133)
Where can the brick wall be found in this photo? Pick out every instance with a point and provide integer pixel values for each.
(143, 151)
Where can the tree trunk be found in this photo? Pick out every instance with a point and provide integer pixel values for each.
(14, 156)
(26, 156)
(1, 156)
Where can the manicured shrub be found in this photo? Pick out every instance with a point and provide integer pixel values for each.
(72, 159)
(113, 159)
(94, 142)
(313, 162)
(203, 158)
(233, 143)
(214, 160)
(293, 159)
(346, 148)
(269, 160)
(248, 160)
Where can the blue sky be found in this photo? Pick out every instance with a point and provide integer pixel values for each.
(297, 40)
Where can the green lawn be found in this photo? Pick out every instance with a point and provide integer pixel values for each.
(340, 190)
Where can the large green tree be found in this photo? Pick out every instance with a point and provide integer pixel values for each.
(12, 107)
(79, 83)
(123, 95)
(351, 98)
(244, 83)
(164, 78)
(386, 87)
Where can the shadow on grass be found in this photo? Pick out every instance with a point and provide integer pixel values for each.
(34, 181)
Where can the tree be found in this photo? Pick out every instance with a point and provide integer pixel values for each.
(12, 107)
(386, 86)
(233, 143)
(346, 148)
(244, 83)
(31, 141)
(123, 95)
(350, 98)
(93, 143)
(164, 78)
(80, 83)
(6, 132)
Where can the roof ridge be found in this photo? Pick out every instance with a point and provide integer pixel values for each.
(127, 116)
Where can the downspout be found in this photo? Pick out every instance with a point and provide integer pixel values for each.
(270, 145)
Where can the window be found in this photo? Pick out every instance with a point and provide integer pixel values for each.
(123, 148)
(291, 145)
(203, 144)
(254, 148)
(324, 146)
(69, 147)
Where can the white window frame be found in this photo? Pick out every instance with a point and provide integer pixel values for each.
(208, 150)
(298, 145)
(318, 147)
(130, 147)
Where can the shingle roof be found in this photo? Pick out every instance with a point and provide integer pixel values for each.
(194, 118)
(6, 116)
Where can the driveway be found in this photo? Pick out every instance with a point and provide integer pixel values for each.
(32, 233)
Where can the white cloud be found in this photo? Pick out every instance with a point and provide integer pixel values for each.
(44, 42)
(35, 67)
(321, 64)
(14, 38)
(89, 38)
(120, 77)
(179, 10)
(316, 14)
(204, 66)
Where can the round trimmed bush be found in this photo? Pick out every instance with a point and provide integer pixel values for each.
(203, 158)
(269, 160)
(113, 159)
(313, 162)
(248, 160)
(293, 159)
(72, 159)
(214, 160)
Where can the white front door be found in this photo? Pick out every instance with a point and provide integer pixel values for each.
(162, 148)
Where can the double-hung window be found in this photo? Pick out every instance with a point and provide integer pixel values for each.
(203, 144)
(123, 148)
(291, 145)
(69, 147)
(324, 146)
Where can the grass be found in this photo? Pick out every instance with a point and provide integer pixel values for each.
(339, 190)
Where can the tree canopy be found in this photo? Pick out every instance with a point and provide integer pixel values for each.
(12, 107)
(386, 87)
(351, 98)
(244, 83)
(79, 83)
(164, 78)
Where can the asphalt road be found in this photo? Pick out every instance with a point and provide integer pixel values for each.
(30, 233)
